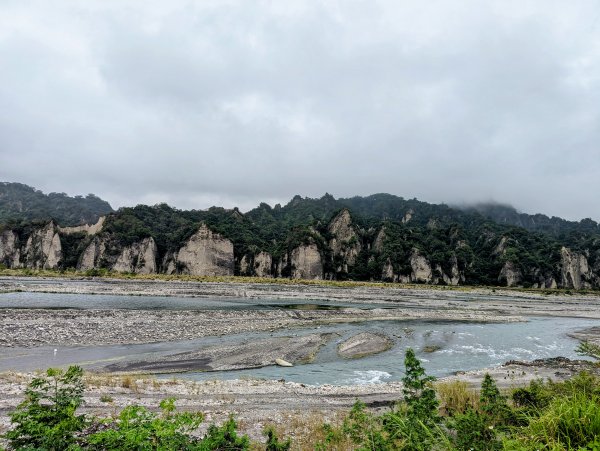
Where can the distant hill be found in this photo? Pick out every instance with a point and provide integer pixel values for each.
(19, 202)
(378, 237)
(506, 214)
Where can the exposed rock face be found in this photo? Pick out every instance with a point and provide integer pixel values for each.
(421, 269)
(345, 244)
(10, 254)
(306, 262)
(408, 216)
(43, 249)
(364, 344)
(258, 265)
(387, 274)
(139, 258)
(92, 255)
(262, 264)
(510, 274)
(205, 254)
(455, 276)
(379, 239)
(575, 271)
(501, 247)
(90, 229)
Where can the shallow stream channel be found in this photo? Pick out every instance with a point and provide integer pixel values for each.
(443, 347)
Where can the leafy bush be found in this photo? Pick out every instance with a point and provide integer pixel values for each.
(46, 418)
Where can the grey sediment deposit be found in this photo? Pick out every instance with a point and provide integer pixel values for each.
(591, 334)
(363, 345)
(252, 354)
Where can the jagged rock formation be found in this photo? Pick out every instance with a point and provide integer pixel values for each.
(379, 239)
(575, 271)
(139, 258)
(10, 254)
(93, 255)
(510, 275)
(344, 244)
(421, 269)
(43, 249)
(382, 237)
(206, 253)
(90, 229)
(306, 263)
(258, 265)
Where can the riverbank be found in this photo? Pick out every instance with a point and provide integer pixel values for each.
(257, 403)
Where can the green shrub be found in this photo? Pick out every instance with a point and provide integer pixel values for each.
(138, 428)
(568, 422)
(273, 443)
(46, 418)
(473, 432)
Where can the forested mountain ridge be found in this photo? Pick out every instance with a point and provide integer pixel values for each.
(379, 237)
(506, 214)
(19, 202)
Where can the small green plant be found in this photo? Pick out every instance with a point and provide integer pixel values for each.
(138, 428)
(273, 443)
(106, 398)
(588, 349)
(46, 418)
(223, 438)
(473, 432)
(419, 394)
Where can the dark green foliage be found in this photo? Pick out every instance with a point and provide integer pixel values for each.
(273, 443)
(20, 202)
(532, 399)
(419, 395)
(46, 418)
(138, 428)
(589, 349)
(473, 432)
(449, 239)
(365, 430)
(223, 438)
(493, 404)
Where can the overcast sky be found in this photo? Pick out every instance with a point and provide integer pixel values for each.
(200, 103)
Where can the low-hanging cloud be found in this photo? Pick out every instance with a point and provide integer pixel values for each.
(237, 102)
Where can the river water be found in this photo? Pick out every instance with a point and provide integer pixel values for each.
(459, 345)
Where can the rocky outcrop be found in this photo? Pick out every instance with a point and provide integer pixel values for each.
(363, 345)
(139, 258)
(206, 253)
(510, 275)
(306, 263)
(90, 229)
(93, 255)
(387, 274)
(421, 269)
(379, 240)
(408, 216)
(575, 271)
(43, 249)
(344, 243)
(10, 253)
(258, 265)
(455, 276)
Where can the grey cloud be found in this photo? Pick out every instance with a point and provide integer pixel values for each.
(201, 103)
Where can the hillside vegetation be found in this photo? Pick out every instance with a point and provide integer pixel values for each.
(19, 202)
(380, 237)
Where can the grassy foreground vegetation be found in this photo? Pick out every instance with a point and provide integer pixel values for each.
(448, 416)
